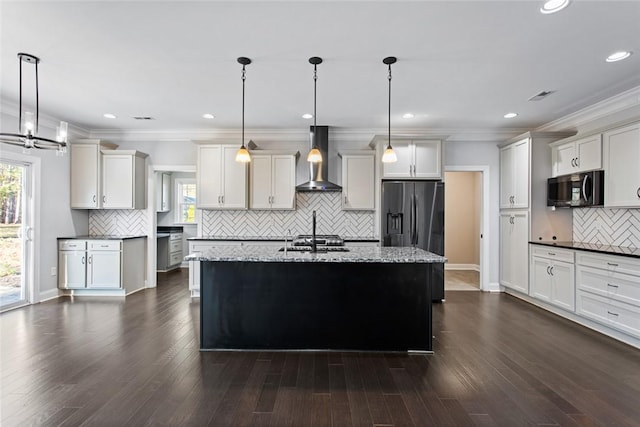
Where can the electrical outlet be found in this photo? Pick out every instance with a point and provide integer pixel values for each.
(54, 271)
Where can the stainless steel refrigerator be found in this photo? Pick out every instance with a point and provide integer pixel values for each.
(413, 215)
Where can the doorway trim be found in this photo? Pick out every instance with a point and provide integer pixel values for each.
(152, 218)
(484, 220)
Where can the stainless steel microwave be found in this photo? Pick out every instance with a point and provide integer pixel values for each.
(576, 190)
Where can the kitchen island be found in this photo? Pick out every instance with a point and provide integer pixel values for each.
(370, 298)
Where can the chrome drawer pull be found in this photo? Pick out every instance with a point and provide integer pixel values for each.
(612, 264)
(613, 314)
(551, 253)
(613, 286)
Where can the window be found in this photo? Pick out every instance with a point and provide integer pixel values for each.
(185, 201)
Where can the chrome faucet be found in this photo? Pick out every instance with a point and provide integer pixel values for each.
(314, 248)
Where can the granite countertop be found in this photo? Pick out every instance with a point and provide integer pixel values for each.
(256, 253)
(107, 237)
(275, 238)
(593, 247)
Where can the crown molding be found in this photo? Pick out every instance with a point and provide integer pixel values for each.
(613, 105)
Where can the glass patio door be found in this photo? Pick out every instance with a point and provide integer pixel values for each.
(15, 234)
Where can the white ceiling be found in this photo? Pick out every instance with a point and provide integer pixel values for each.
(461, 65)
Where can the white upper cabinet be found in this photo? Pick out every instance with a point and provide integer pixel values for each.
(273, 180)
(163, 191)
(514, 175)
(123, 179)
(221, 182)
(358, 180)
(621, 159)
(419, 159)
(86, 173)
(577, 156)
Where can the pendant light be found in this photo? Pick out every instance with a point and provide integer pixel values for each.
(28, 123)
(389, 155)
(243, 155)
(314, 156)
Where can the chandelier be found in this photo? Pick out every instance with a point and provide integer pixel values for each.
(27, 136)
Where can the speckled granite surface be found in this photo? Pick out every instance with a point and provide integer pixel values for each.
(250, 253)
(275, 238)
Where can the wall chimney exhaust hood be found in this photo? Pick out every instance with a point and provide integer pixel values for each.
(318, 171)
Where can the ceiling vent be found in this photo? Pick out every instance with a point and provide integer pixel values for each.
(143, 118)
(541, 95)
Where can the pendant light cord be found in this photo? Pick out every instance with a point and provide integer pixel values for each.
(315, 84)
(389, 121)
(244, 77)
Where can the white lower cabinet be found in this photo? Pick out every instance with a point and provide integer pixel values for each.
(608, 291)
(552, 276)
(514, 250)
(89, 266)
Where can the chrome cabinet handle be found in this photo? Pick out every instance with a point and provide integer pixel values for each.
(613, 286)
(612, 264)
(94, 198)
(548, 267)
(638, 192)
(551, 253)
(551, 270)
(90, 259)
(104, 199)
(573, 162)
(613, 314)
(577, 161)
(82, 260)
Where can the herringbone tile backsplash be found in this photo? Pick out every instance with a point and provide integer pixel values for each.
(617, 227)
(117, 222)
(331, 219)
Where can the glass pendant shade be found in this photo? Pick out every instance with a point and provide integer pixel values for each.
(389, 155)
(243, 155)
(314, 156)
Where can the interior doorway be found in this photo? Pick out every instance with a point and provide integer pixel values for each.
(465, 203)
(15, 234)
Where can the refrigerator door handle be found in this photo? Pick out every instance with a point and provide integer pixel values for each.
(415, 221)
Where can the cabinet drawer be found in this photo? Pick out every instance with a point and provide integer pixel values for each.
(175, 258)
(102, 245)
(203, 245)
(618, 315)
(72, 245)
(618, 286)
(175, 246)
(614, 264)
(175, 236)
(552, 253)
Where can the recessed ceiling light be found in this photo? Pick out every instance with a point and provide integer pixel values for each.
(307, 116)
(618, 56)
(510, 115)
(553, 6)
(208, 116)
(109, 116)
(408, 116)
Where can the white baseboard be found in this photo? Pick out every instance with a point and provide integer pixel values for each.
(49, 295)
(474, 267)
(493, 287)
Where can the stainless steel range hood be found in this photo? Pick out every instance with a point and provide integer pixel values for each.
(318, 171)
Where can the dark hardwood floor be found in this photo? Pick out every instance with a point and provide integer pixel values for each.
(498, 361)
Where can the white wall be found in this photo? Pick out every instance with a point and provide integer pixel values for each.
(56, 218)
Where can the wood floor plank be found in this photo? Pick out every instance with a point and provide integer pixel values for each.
(497, 361)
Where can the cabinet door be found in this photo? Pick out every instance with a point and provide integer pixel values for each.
(165, 202)
(563, 287)
(283, 182)
(506, 177)
(589, 153)
(540, 284)
(209, 176)
(260, 188)
(427, 159)
(117, 181)
(621, 155)
(403, 168)
(358, 182)
(85, 175)
(564, 159)
(234, 180)
(104, 270)
(72, 272)
(520, 170)
(514, 250)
